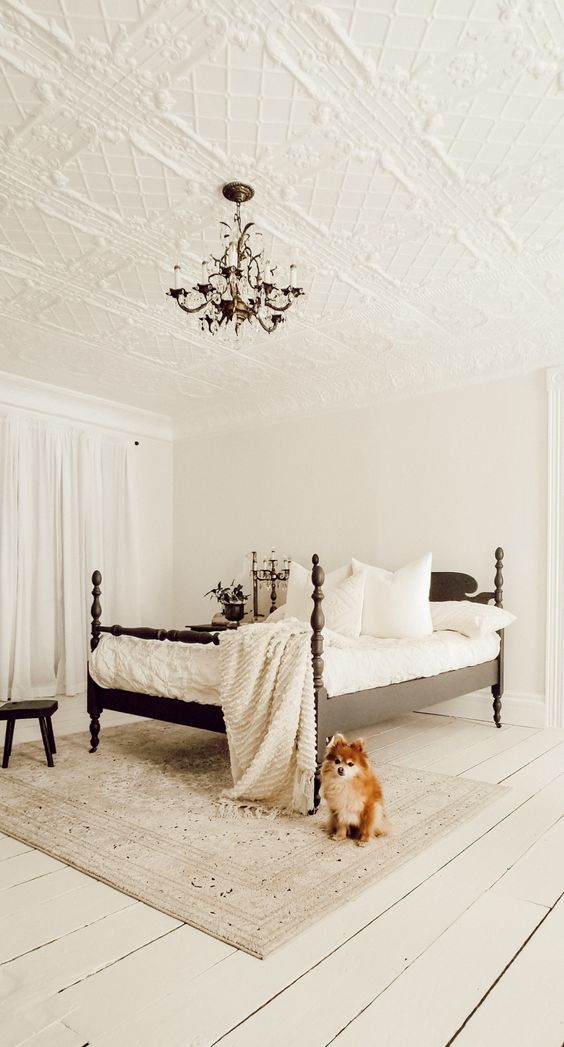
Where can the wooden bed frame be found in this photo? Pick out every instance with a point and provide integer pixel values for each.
(343, 712)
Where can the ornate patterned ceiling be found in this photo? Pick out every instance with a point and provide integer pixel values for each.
(409, 154)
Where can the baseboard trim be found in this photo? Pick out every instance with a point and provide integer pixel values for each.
(518, 708)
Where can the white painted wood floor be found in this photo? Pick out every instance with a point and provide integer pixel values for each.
(462, 945)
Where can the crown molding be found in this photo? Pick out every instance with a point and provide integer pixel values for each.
(185, 428)
(25, 394)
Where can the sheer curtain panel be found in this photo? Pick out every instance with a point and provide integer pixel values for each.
(67, 506)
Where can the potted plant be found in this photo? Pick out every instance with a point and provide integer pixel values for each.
(232, 599)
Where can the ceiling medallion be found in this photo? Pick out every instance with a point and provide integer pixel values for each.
(240, 284)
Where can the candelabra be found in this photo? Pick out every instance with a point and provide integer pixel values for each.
(270, 573)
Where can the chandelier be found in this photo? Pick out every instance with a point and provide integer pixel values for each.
(239, 285)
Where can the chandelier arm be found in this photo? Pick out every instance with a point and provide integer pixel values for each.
(196, 309)
(278, 308)
(268, 330)
(258, 282)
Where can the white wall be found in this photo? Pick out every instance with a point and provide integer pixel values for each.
(458, 472)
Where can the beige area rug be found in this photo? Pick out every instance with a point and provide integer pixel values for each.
(142, 815)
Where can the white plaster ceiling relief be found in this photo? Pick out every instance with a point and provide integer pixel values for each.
(409, 158)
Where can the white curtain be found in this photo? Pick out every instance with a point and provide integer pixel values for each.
(67, 507)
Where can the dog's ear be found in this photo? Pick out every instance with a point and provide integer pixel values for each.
(358, 744)
(333, 741)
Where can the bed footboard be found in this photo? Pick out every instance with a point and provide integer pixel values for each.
(98, 699)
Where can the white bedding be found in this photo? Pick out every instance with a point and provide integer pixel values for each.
(190, 672)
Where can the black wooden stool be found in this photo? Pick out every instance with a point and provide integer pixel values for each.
(38, 710)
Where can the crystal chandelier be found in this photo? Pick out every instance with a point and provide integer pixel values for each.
(240, 284)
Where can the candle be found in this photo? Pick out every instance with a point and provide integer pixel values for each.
(264, 564)
(267, 273)
(292, 275)
(232, 254)
(176, 277)
(204, 272)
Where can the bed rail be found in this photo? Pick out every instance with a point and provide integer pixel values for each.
(445, 585)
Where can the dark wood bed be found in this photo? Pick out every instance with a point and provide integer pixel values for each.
(343, 712)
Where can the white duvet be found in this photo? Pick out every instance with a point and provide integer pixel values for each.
(190, 672)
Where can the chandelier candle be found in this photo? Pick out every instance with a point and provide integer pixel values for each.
(239, 285)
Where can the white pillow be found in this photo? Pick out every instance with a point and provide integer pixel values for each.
(396, 603)
(470, 619)
(299, 603)
(342, 606)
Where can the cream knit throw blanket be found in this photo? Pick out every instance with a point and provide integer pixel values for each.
(267, 697)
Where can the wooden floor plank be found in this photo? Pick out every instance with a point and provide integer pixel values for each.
(20, 1024)
(43, 889)
(56, 1035)
(26, 866)
(464, 760)
(500, 767)
(409, 733)
(527, 1004)
(463, 734)
(163, 967)
(44, 922)
(446, 982)
(538, 876)
(9, 847)
(66, 961)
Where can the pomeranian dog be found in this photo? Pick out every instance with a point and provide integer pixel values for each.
(352, 792)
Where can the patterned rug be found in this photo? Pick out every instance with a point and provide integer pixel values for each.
(142, 815)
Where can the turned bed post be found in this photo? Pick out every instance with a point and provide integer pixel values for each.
(92, 704)
(497, 688)
(317, 624)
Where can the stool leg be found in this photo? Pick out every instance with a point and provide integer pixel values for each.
(45, 736)
(50, 734)
(10, 724)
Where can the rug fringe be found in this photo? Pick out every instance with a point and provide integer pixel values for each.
(235, 809)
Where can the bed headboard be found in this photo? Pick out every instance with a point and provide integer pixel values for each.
(451, 585)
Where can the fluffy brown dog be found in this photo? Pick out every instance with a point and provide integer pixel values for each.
(352, 792)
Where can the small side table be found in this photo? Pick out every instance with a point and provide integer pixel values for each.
(209, 627)
(41, 710)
